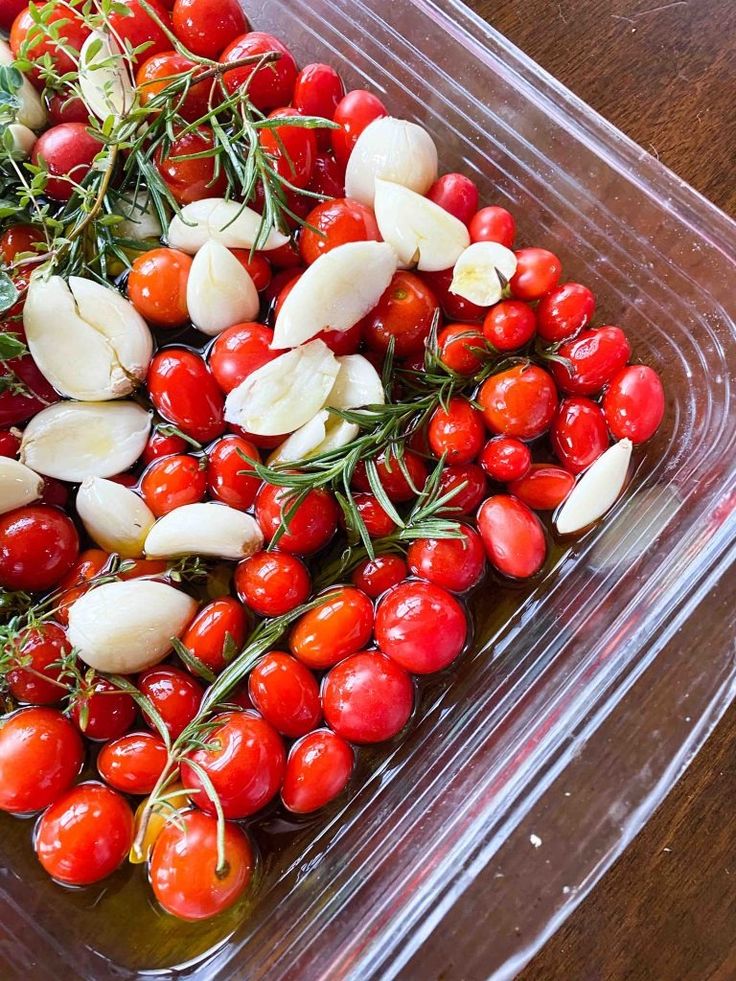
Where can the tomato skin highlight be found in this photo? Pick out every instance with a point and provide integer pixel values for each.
(38, 546)
(513, 536)
(133, 763)
(375, 576)
(318, 769)
(341, 625)
(634, 403)
(578, 433)
(456, 564)
(272, 583)
(595, 356)
(519, 402)
(544, 487)
(185, 393)
(220, 624)
(421, 627)
(367, 698)
(286, 694)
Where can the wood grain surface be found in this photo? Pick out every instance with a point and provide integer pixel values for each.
(664, 73)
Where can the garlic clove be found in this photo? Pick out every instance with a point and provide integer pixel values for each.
(335, 292)
(74, 440)
(231, 224)
(482, 271)
(124, 627)
(596, 490)
(209, 529)
(31, 111)
(282, 395)
(23, 141)
(220, 291)
(420, 231)
(140, 220)
(114, 516)
(394, 150)
(19, 484)
(104, 79)
(357, 384)
(322, 433)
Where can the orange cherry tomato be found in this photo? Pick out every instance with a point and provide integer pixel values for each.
(334, 223)
(172, 482)
(157, 286)
(161, 70)
(520, 402)
(217, 633)
(404, 313)
(340, 626)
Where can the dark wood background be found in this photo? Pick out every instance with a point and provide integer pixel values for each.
(664, 73)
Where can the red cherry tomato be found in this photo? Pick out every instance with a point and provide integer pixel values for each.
(132, 764)
(367, 698)
(520, 401)
(20, 240)
(258, 268)
(286, 694)
(457, 194)
(17, 407)
(139, 29)
(56, 493)
(318, 770)
(392, 475)
(462, 348)
(102, 711)
(328, 177)
(69, 30)
(38, 545)
(375, 576)
(317, 92)
(9, 10)
(185, 393)
(420, 626)
(594, 358)
(578, 433)
(85, 834)
(467, 484)
(245, 760)
(405, 313)
(206, 27)
(9, 443)
(378, 524)
(311, 526)
(67, 151)
(183, 867)
(76, 582)
(157, 286)
(160, 70)
(64, 107)
(174, 694)
(544, 487)
(509, 325)
(505, 458)
(342, 342)
(564, 312)
(513, 536)
(292, 148)
(454, 306)
(341, 625)
(230, 478)
(634, 403)
(537, 272)
(238, 352)
(493, 224)
(456, 564)
(353, 113)
(41, 754)
(334, 223)
(217, 633)
(456, 431)
(272, 583)
(271, 85)
(35, 673)
(160, 445)
(189, 177)
(173, 481)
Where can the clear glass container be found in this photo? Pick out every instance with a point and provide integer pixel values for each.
(467, 844)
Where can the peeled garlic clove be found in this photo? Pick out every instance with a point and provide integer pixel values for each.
(220, 292)
(282, 395)
(482, 271)
(322, 433)
(74, 440)
(231, 224)
(335, 292)
(86, 338)
(19, 485)
(31, 112)
(124, 627)
(357, 383)
(104, 79)
(596, 491)
(24, 139)
(140, 220)
(209, 529)
(114, 516)
(394, 150)
(420, 232)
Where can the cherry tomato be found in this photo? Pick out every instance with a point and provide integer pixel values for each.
(76, 582)
(456, 431)
(206, 27)
(286, 256)
(353, 113)
(311, 526)
(520, 401)
(272, 583)
(85, 834)
(392, 474)
(20, 240)
(537, 272)
(9, 10)
(564, 312)
(17, 407)
(505, 458)
(174, 694)
(35, 674)
(578, 433)
(102, 711)
(513, 536)
(367, 698)
(56, 493)
(342, 342)
(594, 358)
(185, 393)
(191, 178)
(544, 487)
(245, 760)
(461, 348)
(286, 694)
(457, 194)
(132, 764)
(65, 107)
(378, 524)
(271, 85)
(41, 754)
(62, 49)
(160, 70)
(292, 148)
(38, 545)
(230, 478)
(328, 177)
(317, 92)
(157, 286)
(335, 223)
(318, 770)
(454, 306)
(9, 443)
(493, 224)
(139, 29)
(183, 867)
(509, 325)
(420, 626)
(467, 484)
(67, 151)
(341, 625)
(405, 313)
(238, 352)
(160, 445)
(173, 481)
(375, 576)
(217, 633)
(258, 268)
(456, 564)
(634, 403)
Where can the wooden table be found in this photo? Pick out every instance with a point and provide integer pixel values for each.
(665, 73)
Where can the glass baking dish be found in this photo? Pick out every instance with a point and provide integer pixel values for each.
(466, 844)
